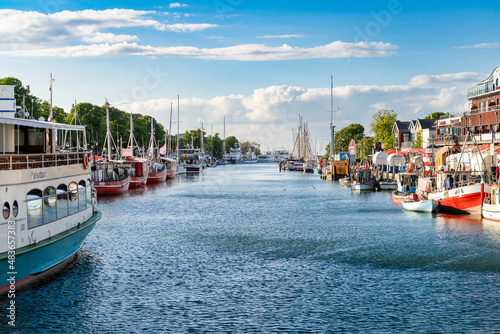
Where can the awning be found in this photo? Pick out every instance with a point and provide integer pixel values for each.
(39, 124)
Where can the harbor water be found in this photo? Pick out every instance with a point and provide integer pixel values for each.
(245, 248)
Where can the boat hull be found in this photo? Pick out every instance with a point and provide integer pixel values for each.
(157, 177)
(384, 185)
(170, 174)
(138, 181)
(491, 211)
(39, 259)
(421, 206)
(362, 187)
(112, 187)
(461, 200)
(400, 197)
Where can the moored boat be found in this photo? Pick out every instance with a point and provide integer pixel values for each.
(362, 180)
(345, 181)
(110, 178)
(418, 204)
(157, 172)
(491, 204)
(458, 193)
(49, 207)
(387, 185)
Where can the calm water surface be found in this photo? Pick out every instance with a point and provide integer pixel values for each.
(248, 249)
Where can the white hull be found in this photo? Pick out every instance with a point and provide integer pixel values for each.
(362, 187)
(491, 211)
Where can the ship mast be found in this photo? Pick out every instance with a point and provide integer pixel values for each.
(169, 131)
(177, 149)
(332, 127)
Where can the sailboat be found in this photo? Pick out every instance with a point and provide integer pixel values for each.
(110, 176)
(223, 161)
(180, 169)
(170, 163)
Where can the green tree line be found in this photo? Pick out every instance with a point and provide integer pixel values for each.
(94, 119)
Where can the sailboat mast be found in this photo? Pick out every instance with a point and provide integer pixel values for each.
(332, 128)
(177, 149)
(170, 131)
(224, 143)
(108, 133)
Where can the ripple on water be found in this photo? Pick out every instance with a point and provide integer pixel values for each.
(249, 249)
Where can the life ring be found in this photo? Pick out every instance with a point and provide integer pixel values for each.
(85, 161)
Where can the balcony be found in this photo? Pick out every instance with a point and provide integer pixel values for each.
(480, 89)
(483, 109)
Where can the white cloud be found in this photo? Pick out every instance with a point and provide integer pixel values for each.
(245, 52)
(188, 27)
(467, 77)
(267, 115)
(33, 28)
(480, 46)
(281, 36)
(177, 5)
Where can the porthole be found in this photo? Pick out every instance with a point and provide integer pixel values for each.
(15, 208)
(6, 210)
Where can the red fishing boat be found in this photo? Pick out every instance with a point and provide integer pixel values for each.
(157, 172)
(110, 177)
(139, 172)
(458, 193)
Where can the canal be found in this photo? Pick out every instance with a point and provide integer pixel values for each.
(249, 249)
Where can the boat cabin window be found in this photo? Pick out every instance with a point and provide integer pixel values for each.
(49, 205)
(15, 208)
(62, 201)
(6, 210)
(89, 193)
(82, 198)
(73, 197)
(34, 207)
(30, 140)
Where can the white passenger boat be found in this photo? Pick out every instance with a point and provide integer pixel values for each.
(48, 199)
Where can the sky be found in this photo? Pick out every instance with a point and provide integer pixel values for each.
(258, 64)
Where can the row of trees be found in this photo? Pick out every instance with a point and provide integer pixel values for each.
(94, 118)
(381, 127)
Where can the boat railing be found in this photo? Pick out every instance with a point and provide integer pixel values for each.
(31, 161)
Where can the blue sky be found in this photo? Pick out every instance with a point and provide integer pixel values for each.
(257, 63)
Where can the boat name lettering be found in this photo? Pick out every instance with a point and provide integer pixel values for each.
(37, 174)
(457, 191)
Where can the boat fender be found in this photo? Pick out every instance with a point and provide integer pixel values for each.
(427, 189)
(85, 161)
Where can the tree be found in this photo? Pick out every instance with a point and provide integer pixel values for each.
(366, 146)
(382, 124)
(19, 89)
(417, 143)
(345, 135)
(230, 142)
(436, 115)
